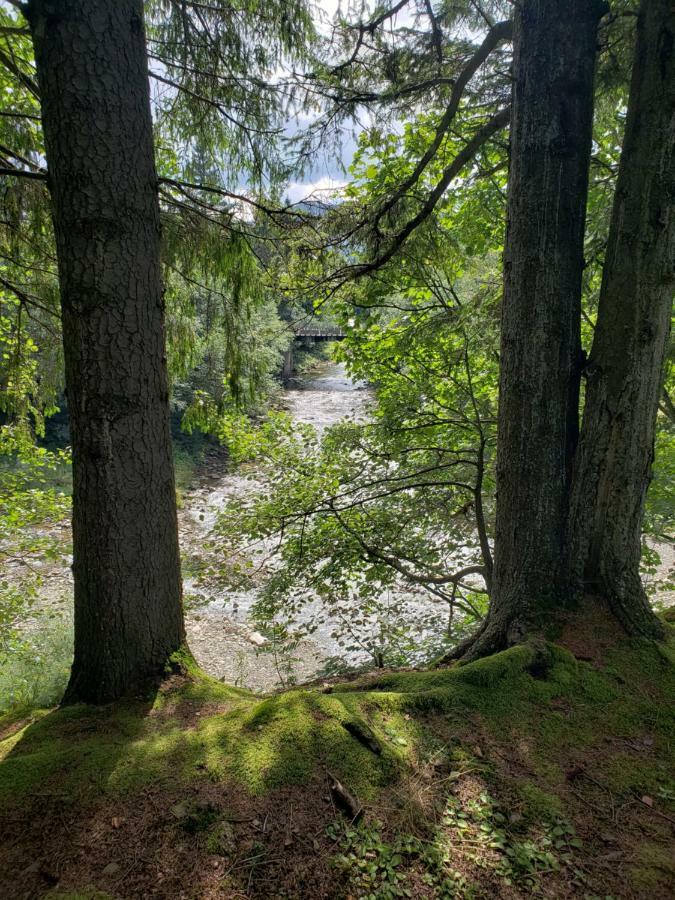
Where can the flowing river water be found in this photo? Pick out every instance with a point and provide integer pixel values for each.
(220, 633)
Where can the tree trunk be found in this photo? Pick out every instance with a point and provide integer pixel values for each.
(92, 72)
(631, 336)
(540, 358)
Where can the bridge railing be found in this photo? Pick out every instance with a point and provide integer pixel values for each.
(323, 331)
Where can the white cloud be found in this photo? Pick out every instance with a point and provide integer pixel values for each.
(325, 188)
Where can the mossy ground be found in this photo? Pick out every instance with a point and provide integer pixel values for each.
(531, 773)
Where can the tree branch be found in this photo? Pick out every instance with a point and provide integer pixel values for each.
(397, 240)
(497, 35)
(23, 173)
(12, 67)
(454, 578)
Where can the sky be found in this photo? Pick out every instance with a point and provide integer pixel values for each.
(328, 172)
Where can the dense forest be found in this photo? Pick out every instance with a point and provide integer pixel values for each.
(337, 444)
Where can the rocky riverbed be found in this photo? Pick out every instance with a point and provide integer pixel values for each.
(220, 632)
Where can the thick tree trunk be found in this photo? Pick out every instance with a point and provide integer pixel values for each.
(631, 336)
(540, 360)
(92, 73)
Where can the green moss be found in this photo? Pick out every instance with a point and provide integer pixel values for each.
(182, 662)
(14, 721)
(109, 749)
(666, 649)
(400, 682)
(654, 870)
(628, 775)
(539, 805)
(282, 740)
(221, 839)
(490, 671)
(541, 692)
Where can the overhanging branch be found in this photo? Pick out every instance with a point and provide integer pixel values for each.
(396, 241)
(23, 173)
(497, 35)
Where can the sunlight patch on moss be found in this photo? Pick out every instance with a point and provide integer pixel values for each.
(292, 737)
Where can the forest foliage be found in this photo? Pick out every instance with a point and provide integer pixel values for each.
(473, 542)
(407, 498)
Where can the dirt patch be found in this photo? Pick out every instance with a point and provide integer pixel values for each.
(591, 631)
(209, 841)
(14, 727)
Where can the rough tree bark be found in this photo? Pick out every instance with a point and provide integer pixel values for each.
(626, 362)
(540, 358)
(92, 72)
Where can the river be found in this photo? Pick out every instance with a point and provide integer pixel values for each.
(220, 634)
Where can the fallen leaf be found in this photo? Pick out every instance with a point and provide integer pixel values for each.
(179, 810)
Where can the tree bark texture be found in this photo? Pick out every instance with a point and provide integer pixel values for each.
(540, 357)
(631, 337)
(92, 72)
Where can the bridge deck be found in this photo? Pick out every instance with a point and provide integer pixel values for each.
(327, 332)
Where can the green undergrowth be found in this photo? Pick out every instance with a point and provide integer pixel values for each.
(533, 724)
(270, 742)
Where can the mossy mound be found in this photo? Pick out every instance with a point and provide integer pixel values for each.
(528, 773)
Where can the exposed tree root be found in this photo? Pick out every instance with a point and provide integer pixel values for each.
(498, 632)
(628, 604)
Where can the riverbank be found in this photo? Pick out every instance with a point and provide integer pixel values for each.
(532, 773)
(224, 640)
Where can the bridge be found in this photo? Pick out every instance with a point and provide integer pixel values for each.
(319, 331)
(308, 334)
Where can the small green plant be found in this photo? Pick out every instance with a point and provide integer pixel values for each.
(383, 870)
(34, 675)
(488, 838)
(374, 866)
(281, 645)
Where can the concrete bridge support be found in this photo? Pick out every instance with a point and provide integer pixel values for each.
(287, 365)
